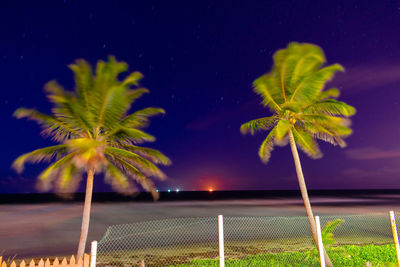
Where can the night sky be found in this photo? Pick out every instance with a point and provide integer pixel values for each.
(199, 59)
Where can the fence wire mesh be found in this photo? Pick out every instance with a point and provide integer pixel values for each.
(249, 241)
(159, 243)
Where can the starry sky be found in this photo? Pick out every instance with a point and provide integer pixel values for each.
(199, 59)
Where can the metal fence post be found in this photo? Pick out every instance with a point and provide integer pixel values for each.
(93, 254)
(221, 241)
(320, 244)
(395, 235)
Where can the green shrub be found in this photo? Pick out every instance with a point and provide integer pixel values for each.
(327, 232)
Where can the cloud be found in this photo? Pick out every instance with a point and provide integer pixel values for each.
(372, 173)
(368, 76)
(370, 153)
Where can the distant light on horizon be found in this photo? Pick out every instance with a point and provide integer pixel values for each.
(177, 190)
(169, 190)
(210, 190)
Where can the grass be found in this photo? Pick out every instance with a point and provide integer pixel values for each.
(348, 255)
(344, 255)
(240, 253)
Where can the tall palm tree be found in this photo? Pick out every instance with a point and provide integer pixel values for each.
(302, 109)
(96, 133)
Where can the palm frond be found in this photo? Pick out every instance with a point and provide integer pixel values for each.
(329, 93)
(281, 129)
(128, 169)
(111, 107)
(56, 93)
(305, 61)
(331, 107)
(83, 80)
(113, 102)
(69, 179)
(313, 84)
(107, 75)
(51, 126)
(65, 177)
(151, 154)
(129, 136)
(133, 79)
(336, 125)
(108, 99)
(145, 166)
(134, 173)
(68, 110)
(39, 155)
(294, 107)
(32, 114)
(340, 132)
(294, 63)
(330, 133)
(267, 146)
(140, 118)
(47, 176)
(261, 124)
(118, 180)
(306, 143)
(323, 119)
(269, 91)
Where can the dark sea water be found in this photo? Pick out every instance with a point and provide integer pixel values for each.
(52, 228)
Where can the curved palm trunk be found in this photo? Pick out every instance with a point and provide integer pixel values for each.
(86, 214)
(304, 194)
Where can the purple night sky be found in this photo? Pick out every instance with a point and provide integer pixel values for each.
(199, 59)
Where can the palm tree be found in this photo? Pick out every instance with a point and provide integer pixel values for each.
(302, 110)
(96, 133)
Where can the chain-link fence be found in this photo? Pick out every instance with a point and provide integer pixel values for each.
(249, 241)
(159, 243)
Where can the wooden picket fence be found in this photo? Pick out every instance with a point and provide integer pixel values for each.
(81, 262)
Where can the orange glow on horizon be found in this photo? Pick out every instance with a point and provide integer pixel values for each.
(211, 182)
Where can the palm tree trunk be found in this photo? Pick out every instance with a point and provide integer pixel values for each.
(86, 214)
(304, 194)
